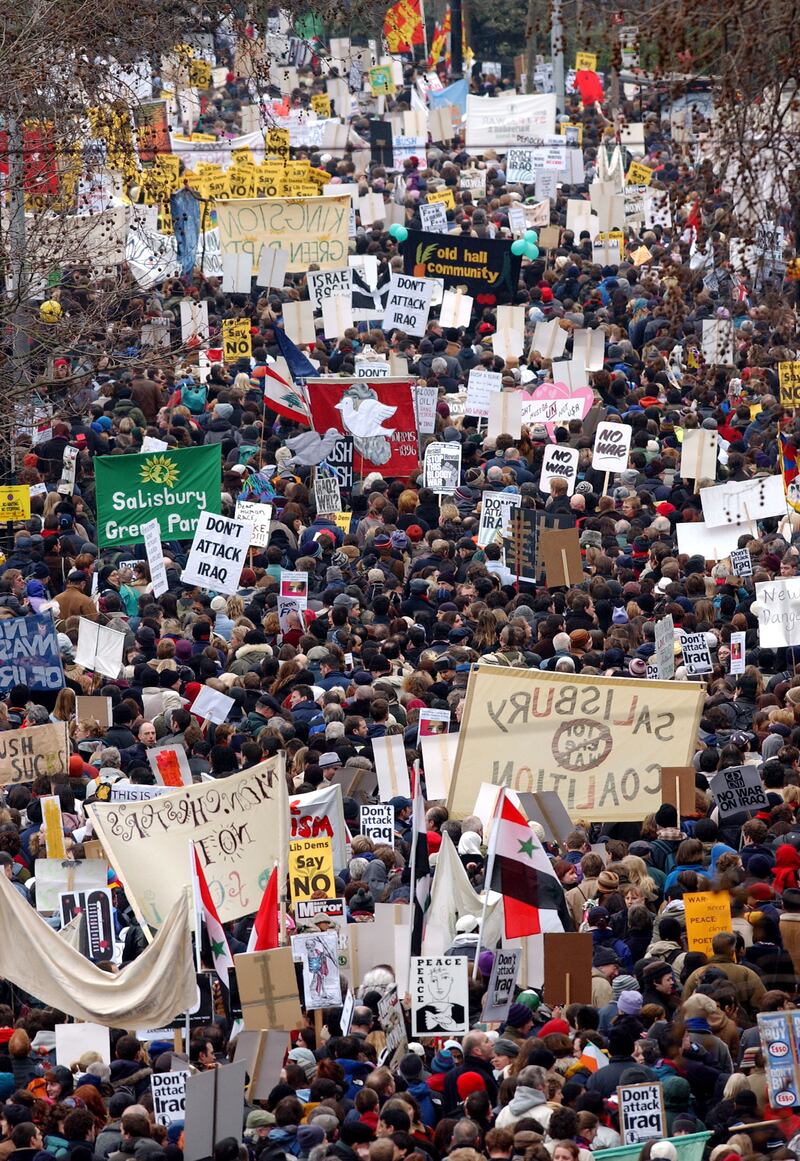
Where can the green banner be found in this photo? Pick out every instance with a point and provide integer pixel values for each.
(173, 487)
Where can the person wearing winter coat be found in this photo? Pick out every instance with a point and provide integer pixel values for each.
(529, 1096)
(136, 1141)
(605, 1080)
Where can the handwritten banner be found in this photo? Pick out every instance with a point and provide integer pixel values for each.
(311, 231)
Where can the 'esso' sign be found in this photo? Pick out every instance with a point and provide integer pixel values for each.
(778, 1048)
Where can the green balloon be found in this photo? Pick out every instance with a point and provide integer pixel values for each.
(531, 251)
(393, 230)
(531, 236)
(518, 247)
(401, 234)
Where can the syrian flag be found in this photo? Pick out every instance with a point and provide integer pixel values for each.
(264, 935)
(283, 397)
(519, 869)
(217, 940)
(420, 868)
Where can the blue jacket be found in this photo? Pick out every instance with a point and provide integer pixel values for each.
(355, 1073)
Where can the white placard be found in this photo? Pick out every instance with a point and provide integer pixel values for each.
(502, 982)
(73, 1040)
(433, 217)
(391, 767)
(99, 648)
(612, 443)
(425, 407)
(212, 705)
(439, 996)
(496, 508)
(738, 655)
(505, 414)
(260, 516)
(337, 316)
(778, 611)
(481, 385)
(641, 1113)
(194, 320)
(155, 557)
(218, 553)
(169, 1096)
(377, 823)
(151, 444)
(699, 539)
(699, 455)
(696, 654)
(507, 120)
(665, 647)
(741, 500)
(589, 347)
(408, 304)
(560, 462)
(324, 284)
(442, 466)
(456, 309)
(741, 562)
(170, 771)
(319, 957)
(272, 267)
(327, 494)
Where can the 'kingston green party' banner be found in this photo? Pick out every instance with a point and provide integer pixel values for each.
(172, 486)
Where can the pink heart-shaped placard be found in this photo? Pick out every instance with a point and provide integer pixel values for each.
(537, 411)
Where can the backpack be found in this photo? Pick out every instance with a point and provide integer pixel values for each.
(663, 855)
(194, 398)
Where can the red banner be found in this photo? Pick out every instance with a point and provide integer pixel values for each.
(39, 172)
(378, 414)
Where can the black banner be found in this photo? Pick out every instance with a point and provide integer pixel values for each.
(486, 267)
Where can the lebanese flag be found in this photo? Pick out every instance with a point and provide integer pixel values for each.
(264, 935)
(522, 873)
(282, 396)
(217, 939)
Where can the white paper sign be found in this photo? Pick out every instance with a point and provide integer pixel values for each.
(151, 444)
(391, 767)
(319, 957)
(327, 494)
(260, 516)
(439, 996)
(502, 982)
(496, 509)
(72, 1040)
(560, 462)
(169, 1096)
(738, 655)
(641, 1113)
(194, 320)
(377, 823)
(99, 648)
(665, 647)
(612, 443)
(443, 466)
(741, 500)
(433, 218)
(155, 556)
(699, 455)
(778, 611)
(212, 705)
(699, 539)
(741, 562)
(481, 384)
(218, 553)
(696, 654)
(408, 304)
(425, 406)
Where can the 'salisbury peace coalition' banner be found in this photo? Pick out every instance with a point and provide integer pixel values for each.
(29, 653)
(485, 266)
(599, 742)
(173, 487)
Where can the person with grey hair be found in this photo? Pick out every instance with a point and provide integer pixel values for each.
(529, 1099)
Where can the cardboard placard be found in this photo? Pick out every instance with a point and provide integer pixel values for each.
(641, 1113)
(707, 912)
(268, 990)
(311, 868)
(678, 788)
(560, 557)
(439, 996)
(568, 967)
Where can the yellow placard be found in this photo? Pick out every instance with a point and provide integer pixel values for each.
(311, 230)
(278, 143)
(445, 196)
(53, 827)
(789, 378)
(241, 184)
(342, 520)
(639, 174)
(311, 869)
(586, 61)
(707, 912)
(237, 341)
(297, 170)
(300, 189)
(15, 502)
(200, 74)
(641, 255)
(567, 128)
(320, 177)
(321, 104)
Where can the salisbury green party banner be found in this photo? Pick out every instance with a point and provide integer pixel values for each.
(173, 487)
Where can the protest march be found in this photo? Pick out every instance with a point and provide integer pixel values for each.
(399, 578)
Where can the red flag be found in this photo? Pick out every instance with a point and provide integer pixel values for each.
(589, 86)
(402, 26)
(264, 935)
(378, 414)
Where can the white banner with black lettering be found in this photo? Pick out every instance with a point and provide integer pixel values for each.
(408, 304)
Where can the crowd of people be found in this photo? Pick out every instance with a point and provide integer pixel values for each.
(401, 605)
